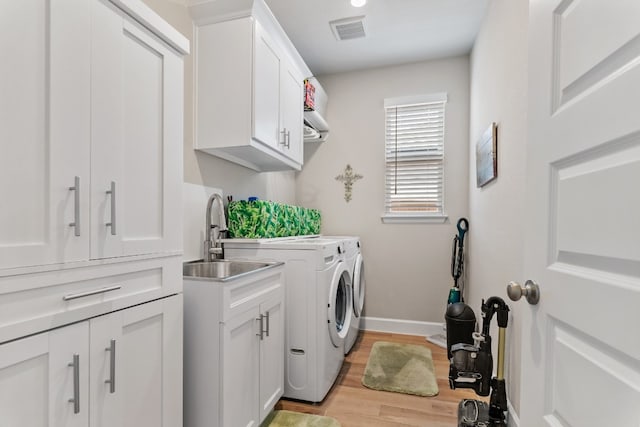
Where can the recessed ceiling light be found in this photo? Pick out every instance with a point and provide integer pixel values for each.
(358, 3)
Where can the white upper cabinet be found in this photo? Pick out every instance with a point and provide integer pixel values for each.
(135, 138)
(292, 112)
(249, 93)
(44, 131)
(90, 98)
(266, 91)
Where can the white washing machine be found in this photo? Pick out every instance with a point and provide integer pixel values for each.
(353, 258)
(318, 308)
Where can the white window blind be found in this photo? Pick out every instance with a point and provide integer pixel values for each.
(414, 154)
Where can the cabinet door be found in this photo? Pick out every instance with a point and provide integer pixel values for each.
(106, 370)
(36, 381)
(145, 378)
(292, 113)
(240, 365)
(272, 353)
(44, 131)
(266, 87)
(136, 116)
(67, 346)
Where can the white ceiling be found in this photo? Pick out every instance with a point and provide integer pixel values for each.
(398, 31)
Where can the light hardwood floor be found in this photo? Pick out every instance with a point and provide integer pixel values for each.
(354, 405)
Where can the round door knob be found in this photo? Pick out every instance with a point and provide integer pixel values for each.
(530, 290)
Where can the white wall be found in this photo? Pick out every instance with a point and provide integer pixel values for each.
(498, 94)
(201, 168)
(407, 265)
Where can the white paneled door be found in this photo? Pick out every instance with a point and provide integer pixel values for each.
(581, 346)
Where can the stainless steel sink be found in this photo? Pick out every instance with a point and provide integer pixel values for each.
(222, 269)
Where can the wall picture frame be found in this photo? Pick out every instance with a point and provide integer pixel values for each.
(487, 156)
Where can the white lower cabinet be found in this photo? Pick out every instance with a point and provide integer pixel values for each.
(240, 348)
(120, 369)
(272, 355)
(37, 381)
(253, 358)
(234, 349)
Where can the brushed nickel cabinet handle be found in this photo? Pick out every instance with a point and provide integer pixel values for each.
(261, 320)
(89, 293)
(76, 383)
(112, 224)
(76, 208)
(112, 367)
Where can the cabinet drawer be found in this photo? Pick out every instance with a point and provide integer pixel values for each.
(36, 302)
(238, 297)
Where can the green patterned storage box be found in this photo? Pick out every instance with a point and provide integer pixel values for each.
(263, 219)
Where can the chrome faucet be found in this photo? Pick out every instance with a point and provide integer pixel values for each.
(212, 246)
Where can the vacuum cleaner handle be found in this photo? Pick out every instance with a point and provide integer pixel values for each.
(454, 257)
(463, 227)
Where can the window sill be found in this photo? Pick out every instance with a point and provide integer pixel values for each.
(413, 219)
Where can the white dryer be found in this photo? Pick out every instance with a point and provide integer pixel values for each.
(355, 262)
(318, 308)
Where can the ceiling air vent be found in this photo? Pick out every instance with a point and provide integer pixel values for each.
(348, 28)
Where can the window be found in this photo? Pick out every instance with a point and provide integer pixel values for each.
(414, 156)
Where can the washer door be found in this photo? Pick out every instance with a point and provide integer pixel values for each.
(358, 286)
(340, 305)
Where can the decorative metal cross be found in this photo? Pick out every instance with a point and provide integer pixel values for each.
(348, 178)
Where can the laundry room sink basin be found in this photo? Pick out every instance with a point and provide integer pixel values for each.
(222, 269)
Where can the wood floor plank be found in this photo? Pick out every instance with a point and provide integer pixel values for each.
(354, 405)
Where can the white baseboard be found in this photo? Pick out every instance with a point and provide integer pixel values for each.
(513, 420)
(399, 326)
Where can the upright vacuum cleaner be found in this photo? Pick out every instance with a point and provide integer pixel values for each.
(471, 362)
(456, 293)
